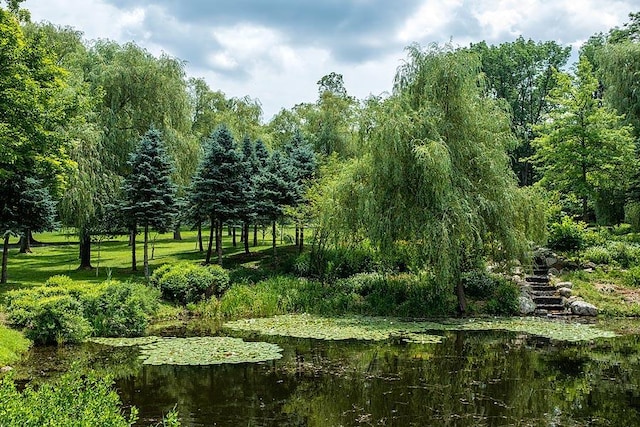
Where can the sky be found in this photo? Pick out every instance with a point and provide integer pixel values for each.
(277, 50)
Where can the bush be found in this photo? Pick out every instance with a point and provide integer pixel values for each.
(332, 264)
(49, 319)
(567, 235)
(121, 309)
(478, 284)
(185, 282)
(72, 400)
(625, 254)
(69, 314)
(505, 298)
(597, 255)
(60, 280)
(632, 277)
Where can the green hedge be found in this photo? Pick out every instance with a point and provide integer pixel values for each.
(188, 283)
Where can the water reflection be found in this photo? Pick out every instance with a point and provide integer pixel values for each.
(471, 379)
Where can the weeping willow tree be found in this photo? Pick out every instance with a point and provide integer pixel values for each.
(434, 182)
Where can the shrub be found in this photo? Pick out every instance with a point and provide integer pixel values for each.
(567, 235)
(598, 255)
(625, 254)
(121, 309)
(505, 298)
(185, 282)
(632, 277)
(478, 283)
(60, 280)
(332, 264)
(72, 400)
(51, 319)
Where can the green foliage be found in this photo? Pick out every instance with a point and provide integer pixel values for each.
(186, 282)
(73, 400)
(12, 345)
(632, 277)
(478, 284)
(504, 300)
(335, 263)
(73, 311)
(567, 235)
(597, 255)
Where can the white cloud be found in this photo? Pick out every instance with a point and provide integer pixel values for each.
(428, 21)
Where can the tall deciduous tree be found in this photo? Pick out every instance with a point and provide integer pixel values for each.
(583, 149)
(520, 72)
(217, 186)
(149, 193)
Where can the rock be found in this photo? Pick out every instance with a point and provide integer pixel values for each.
(590, 265)
(526, 304)
(568, 285)
(551, 261)
(565, 292)
(582, 308)
(6, 369)
(554, 271)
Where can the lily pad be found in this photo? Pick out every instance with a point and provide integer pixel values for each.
(196, 350)
(378, 329)
(343, 328)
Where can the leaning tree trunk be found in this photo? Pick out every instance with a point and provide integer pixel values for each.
(214, 229)
(219, 242)
(5, 256)
(146, 251)
(85, 250)
(132, 240)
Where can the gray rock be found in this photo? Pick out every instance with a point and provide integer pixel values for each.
(582, 308)
(526, 304)
(6, 369)
(554, 271)
(551, 261)
(567, 285)
(565, 292)
(590, 265)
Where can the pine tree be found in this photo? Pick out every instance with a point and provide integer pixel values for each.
(149, 193)
(217, 187)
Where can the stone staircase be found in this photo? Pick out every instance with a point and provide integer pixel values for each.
(544, 295)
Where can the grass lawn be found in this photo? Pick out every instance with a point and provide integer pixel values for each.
(12, 345)
(59, 255)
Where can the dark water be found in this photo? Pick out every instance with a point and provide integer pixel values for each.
(471, 379)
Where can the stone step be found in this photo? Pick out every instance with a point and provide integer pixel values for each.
(541, 272)
(543, 288)
(549, 293)
(547, 300)
(537, 279)
(550, 308)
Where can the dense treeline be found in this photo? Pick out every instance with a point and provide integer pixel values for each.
(458, 165)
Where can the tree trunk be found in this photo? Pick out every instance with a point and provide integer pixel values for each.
(177, 235)
(301, 247)
(462, 302)
(32, 241)
(245, 234)
(5, 256)
(146, 252)
(214, 229)
(200, 237)
(255, 235)
(219, 242)
(25, 243)
(585, 210)
(233, 239)
(273, 231)
(297, 235)
(132, 239)
(85, 250)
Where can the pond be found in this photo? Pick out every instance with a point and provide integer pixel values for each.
(469, 378)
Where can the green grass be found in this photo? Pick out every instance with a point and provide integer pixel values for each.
(12, 345)
(59, 255)
(592, 287)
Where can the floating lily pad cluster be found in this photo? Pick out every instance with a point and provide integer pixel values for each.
(377, 329)
(343, 328)
(197, 350)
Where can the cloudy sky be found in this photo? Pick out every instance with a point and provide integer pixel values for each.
(276, 50)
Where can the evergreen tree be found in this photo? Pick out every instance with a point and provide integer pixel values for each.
(250, 167)
(217, 187)
(25, 204)
(149, 193)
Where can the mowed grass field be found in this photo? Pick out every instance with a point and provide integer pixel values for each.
(59, 254)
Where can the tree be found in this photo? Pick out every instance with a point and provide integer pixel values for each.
(433, 183)
(149, 193)
(25, 204)
(217, 186)
(583, 149)
(520, 72)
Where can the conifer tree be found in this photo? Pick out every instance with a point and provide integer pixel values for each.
(149, 193)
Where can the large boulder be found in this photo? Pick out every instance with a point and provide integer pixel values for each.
(568, 285)
(583, 308)
(565, 292)
(526, 304)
